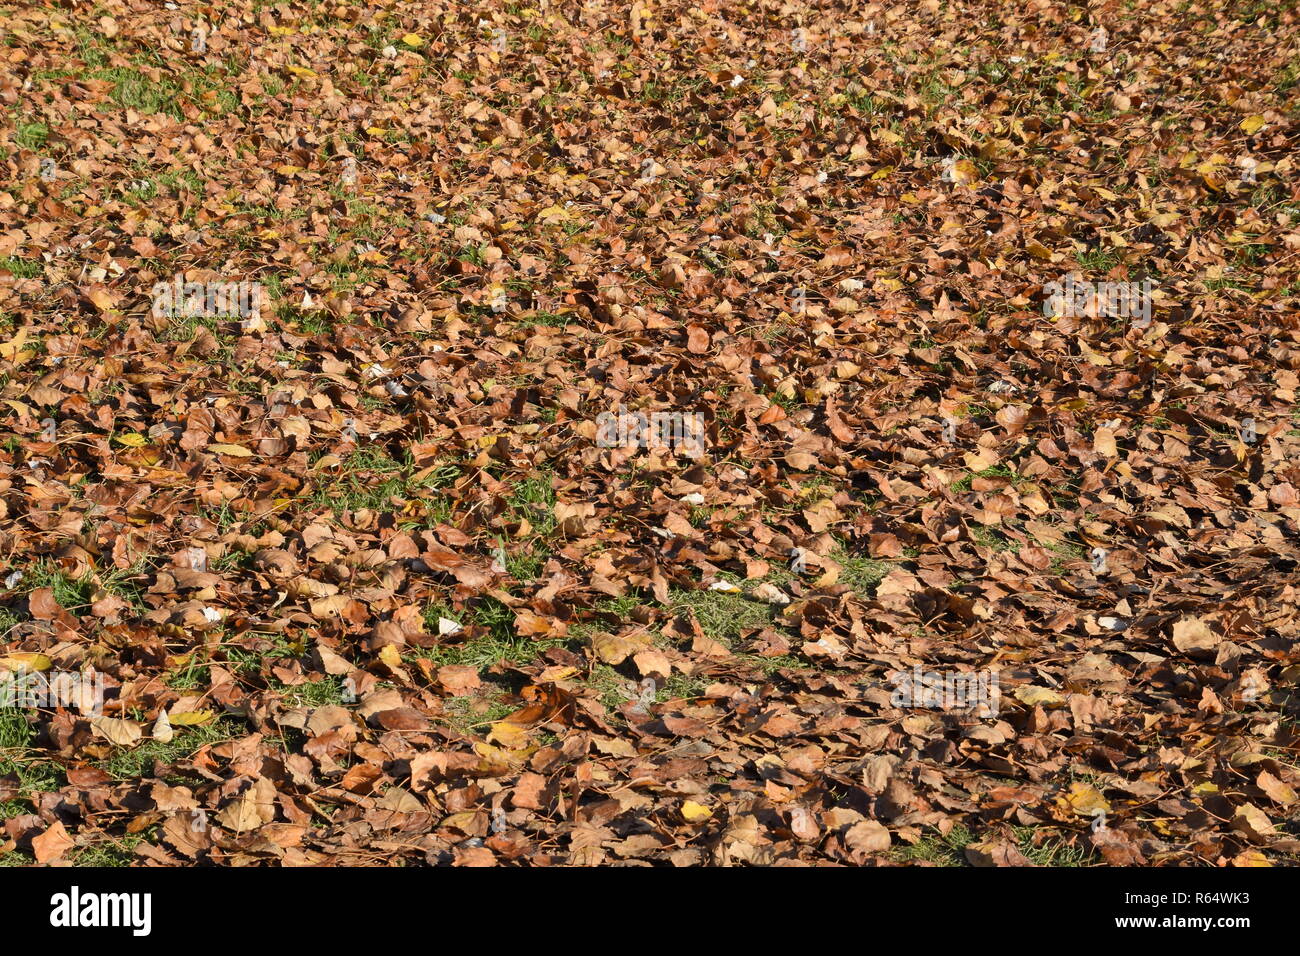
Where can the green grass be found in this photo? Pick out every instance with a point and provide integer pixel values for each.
(937, 849)
(71, 594)
(470, 714)
(722, 615)
(8, 621)
(109, 851)
(319, 693)
(31, 135)
(132, 89)
(139, 761)
(950, 850)
(532, 499)
(1051, 850)
(861, 573)
(996, 471)
(545, 318)
(21, 268)
(994, 540)
(75, 595)
(18, 759)
(500, 643)
(371, 479)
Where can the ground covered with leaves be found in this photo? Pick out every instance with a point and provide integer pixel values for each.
(365, 588)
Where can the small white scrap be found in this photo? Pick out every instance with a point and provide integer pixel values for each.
(447, 627)
(694, 498)
(211, 615)
(771, 594)
(390, 52)
(162, 728)
(798, 560)
(736, 81)
(726, 587)
(13, 578)
(395, 390)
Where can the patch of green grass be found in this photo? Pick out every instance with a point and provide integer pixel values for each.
(612, 686)
(1098, 260)
(109, 851)
(18, 759)
(767, 666)
(996, 471)
(1040, 850)
(938, 849)
(371, 479)
(21, 268)
(249, 660)
(185, 328)
(500, 643)
(71, 594)
(724, 616)
(319, 693)
(138, 761)
(989, 538)
(469, 714)
(30, 135)
(545, 318)
(861, 573)
(1050, 850)
(133, 89)
(190, 675)
(8, 621)
(681, 687)
(534, 497)
(1065, 552)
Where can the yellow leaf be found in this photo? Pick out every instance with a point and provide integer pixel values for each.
(1084, 799)
(301, 71)
(693, 812)
(1251, 858)
(26, 661)
(413, 40)
(190, 718)
(1031, 695)
(1252, 124)
(392, 660)
(11, 348)
(237, 451)
(123, 733)
(509, 735)
(132, 439)
(964, 172)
